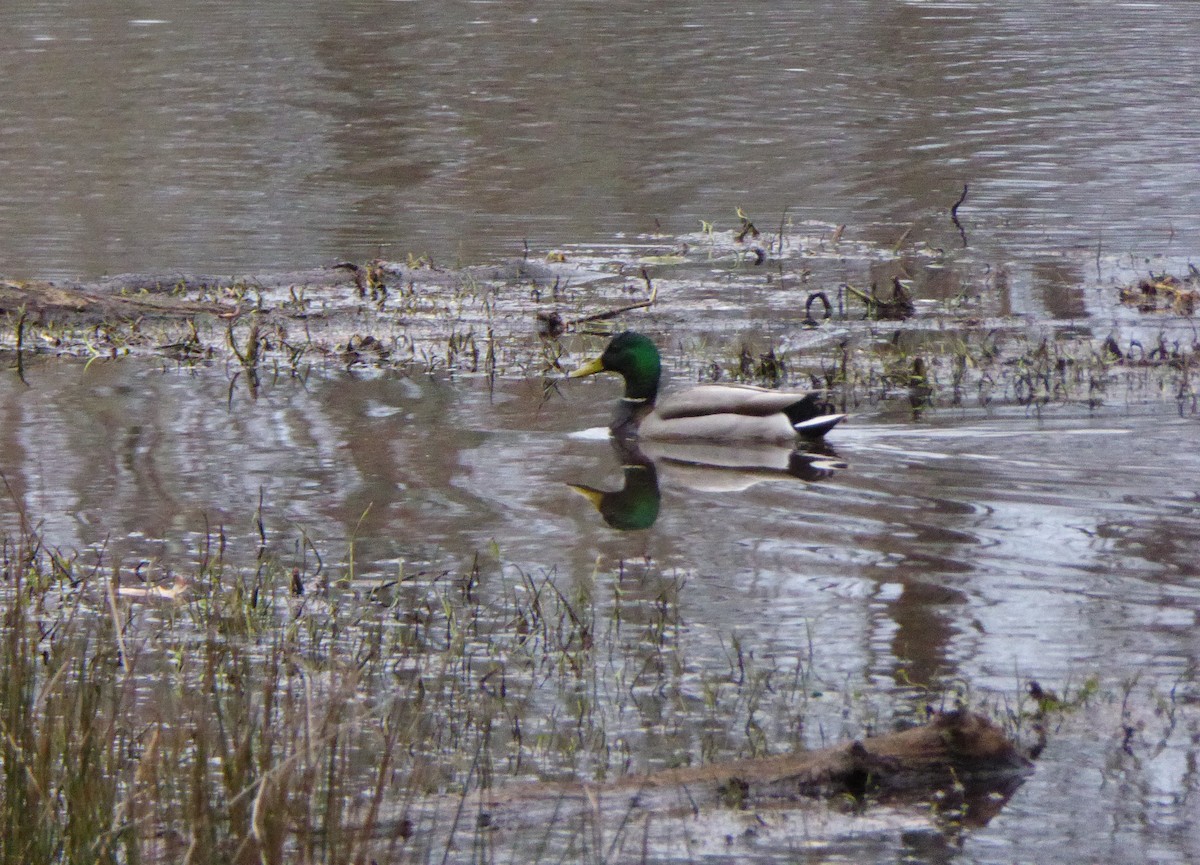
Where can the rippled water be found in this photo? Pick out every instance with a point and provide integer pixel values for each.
(231, 137)
(983, 548)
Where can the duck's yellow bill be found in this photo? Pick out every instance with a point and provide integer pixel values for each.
(590, 368)
(591, 494)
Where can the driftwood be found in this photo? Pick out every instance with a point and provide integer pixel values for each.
(952, 747)
(959, 761)
(149, 311)
(172, 296)
(42, 301)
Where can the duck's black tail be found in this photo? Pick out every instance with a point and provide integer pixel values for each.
(810, 416)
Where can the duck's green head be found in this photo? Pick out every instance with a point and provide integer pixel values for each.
(635, 358)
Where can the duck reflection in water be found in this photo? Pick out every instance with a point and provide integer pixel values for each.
(702, 467)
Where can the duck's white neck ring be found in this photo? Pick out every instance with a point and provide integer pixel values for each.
(635, 399)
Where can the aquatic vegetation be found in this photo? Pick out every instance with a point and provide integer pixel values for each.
(1165, 293)
(285, 713)
(897, 307)
(516, 318)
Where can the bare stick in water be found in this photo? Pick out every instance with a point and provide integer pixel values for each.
(954, 213)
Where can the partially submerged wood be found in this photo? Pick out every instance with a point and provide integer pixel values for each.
(952, 746)
(418, 312)
(960, 755)
(44, 301)
(152, 296)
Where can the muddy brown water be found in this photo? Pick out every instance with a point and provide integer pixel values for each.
(980, 547)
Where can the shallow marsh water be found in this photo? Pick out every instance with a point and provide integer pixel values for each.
(1003, 533)
(980, 547)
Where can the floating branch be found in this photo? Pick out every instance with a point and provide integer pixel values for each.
(896, 308)
(553, 324)
(954, 749)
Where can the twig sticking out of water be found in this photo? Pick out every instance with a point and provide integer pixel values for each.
(954, 214)
(21, 348)
(809, 321)
(554, 328)
(899, 307)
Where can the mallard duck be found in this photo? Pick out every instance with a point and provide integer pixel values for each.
(711, 412)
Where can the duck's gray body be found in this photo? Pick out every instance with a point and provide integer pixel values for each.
(715, 412)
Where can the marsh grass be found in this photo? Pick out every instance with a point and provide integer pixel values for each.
(270, 715)
(954, 367)
(944, 337)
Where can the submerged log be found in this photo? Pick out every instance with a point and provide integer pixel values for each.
(932, 781)
(167, 296)
(44, 301)
(952, 746)
(959, 761)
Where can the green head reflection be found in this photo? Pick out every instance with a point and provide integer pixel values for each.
(699, 467)
(634, 506)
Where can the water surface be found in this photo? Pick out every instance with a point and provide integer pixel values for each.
(983, 548)
(236, 138)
